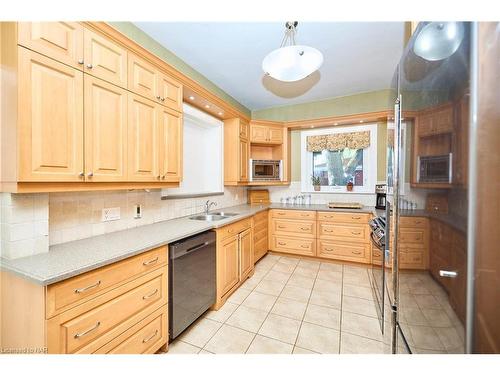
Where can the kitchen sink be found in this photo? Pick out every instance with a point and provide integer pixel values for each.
(210, 217)
(224, 213)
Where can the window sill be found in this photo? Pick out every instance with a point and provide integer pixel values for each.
(337, 192)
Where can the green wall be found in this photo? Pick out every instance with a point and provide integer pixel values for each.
(140, 37)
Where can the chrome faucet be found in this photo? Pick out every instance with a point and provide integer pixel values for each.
(209, 204)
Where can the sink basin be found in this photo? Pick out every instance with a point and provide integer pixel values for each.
(208, 217)
(224, 213)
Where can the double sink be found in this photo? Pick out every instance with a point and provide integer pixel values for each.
(213, 216)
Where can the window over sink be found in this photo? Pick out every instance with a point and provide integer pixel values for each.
(339, 155)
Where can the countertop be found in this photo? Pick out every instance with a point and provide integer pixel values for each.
(66, 260)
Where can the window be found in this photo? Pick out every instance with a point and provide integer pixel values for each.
(337, 168)
(203, 154)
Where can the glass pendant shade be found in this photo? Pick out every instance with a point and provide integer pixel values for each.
(292, 63)
(438, 40)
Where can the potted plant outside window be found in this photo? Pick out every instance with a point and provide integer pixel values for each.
(316, 182)
(349, 186)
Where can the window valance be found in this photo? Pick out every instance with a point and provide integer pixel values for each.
(339, 141)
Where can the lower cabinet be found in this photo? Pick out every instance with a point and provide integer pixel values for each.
(235, 258)
(260, 235)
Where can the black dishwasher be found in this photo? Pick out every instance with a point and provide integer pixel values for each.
(191, 280)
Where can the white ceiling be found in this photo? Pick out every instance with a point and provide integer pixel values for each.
(358, 57)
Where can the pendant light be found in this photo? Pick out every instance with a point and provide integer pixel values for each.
(292, 62)
(438, 40)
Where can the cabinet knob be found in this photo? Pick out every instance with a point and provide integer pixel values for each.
(81, 174)
(89, 66)
(80, 61)
(162, 99)
(158, 97)
(158, 177)
(163, 177)
(90, 174)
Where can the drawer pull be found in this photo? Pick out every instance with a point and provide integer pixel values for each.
(418, 222)
(281, 227)
(281, 213)
(328, 216)
(356, 217)
(78, 335)
(304, 228)
(355, 233)
(376, 255)
(81, 290)
(150, 337)
(148, 296)
(282, 243)
(147, 263)
(304, 215)
(304, 246)
(328, 230)
(356, 252)
(329, 249)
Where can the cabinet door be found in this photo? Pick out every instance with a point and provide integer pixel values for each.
(259, 134)
(170, 144)
(62, 41)
(170, 92)
(50, 119)
(105, 131)
(243, 129)
(444, 121)
(228, 273)
(105, 59)
(246, 253)
(425, 125)
(244, 151)
(276, 135)
(142, 78)
(143, 139)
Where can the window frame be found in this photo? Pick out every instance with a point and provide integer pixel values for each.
(369, 160)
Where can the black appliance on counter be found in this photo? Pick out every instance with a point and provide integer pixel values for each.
(380, 190)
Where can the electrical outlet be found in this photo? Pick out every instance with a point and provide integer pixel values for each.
(137, 211)
(110, 214)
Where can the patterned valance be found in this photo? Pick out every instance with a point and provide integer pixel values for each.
(339, 141)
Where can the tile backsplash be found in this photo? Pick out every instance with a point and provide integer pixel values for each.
(74, 216)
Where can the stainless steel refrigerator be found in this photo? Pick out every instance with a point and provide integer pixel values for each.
(438, 283)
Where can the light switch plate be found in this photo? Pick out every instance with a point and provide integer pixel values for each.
(110, 214)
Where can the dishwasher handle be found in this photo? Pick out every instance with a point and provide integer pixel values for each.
(182, 253)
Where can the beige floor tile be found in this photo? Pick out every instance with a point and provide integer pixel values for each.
(282, 267)
(223, 313)
(418, 289)
(203, 351)
(181, 347)
(289, 260)
(260, 301)
(330, 275)
(229, 340)
(271, 287)
(425, 338)
(200, 332)
(359, 279)
(328, 286)
(266, 345)
(310, 264)
(408, 300)
(290, 308)
(427, 351)
(297, 350)
(449, 338)
(361, 325)
(437, 318)
(427, 301)
(277, 276)
(251, 283)
(301, 281)
(331, 267)
(359, 306)
(358, 291)
(260, 272)
(323, 316)
(319, 339)
(353, 344)
(239, 296)
(306, 272)
(274, 257)
(413, 316)
(247, 318)
(296, 293)
(328, 299)
(280, 328)
(352, 269)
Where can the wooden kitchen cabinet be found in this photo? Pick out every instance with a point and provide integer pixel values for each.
(61, 41)
(260, 236)
(50, 120)
(104, 59)
(170, 92)
(266, 134)
(235, 261)
(105, 131)
(236, 152)
(170, 148)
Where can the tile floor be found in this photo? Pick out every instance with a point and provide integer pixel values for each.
(300, 306)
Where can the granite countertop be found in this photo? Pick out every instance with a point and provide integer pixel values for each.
(454, 221)
(66, 260)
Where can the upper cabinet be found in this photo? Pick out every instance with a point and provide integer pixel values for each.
(170, 148)
(236, 151)
(62, 41)
(266, 134)
(170, 92)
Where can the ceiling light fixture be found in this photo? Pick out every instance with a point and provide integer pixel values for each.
(438, 40)
(220, 113)
(207, 106)
(292, 62)
(191, 98)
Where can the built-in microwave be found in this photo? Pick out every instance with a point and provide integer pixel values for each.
(265, 170)
(434, 169)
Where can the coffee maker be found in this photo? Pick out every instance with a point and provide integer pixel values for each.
(380, 190)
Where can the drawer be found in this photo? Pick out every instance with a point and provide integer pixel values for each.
(258, 226)
(344, 251)
(146, 336)
(260, 217)
(293, 245)
(262, 234)
(87, 327)
(344, 217)
(293, 214)
(233, 229)
(413, 222)
(376, 256)
(409, 260)
(294, 228)
(261, 245)
(340, 232)
(65, 294)
(411, 236)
